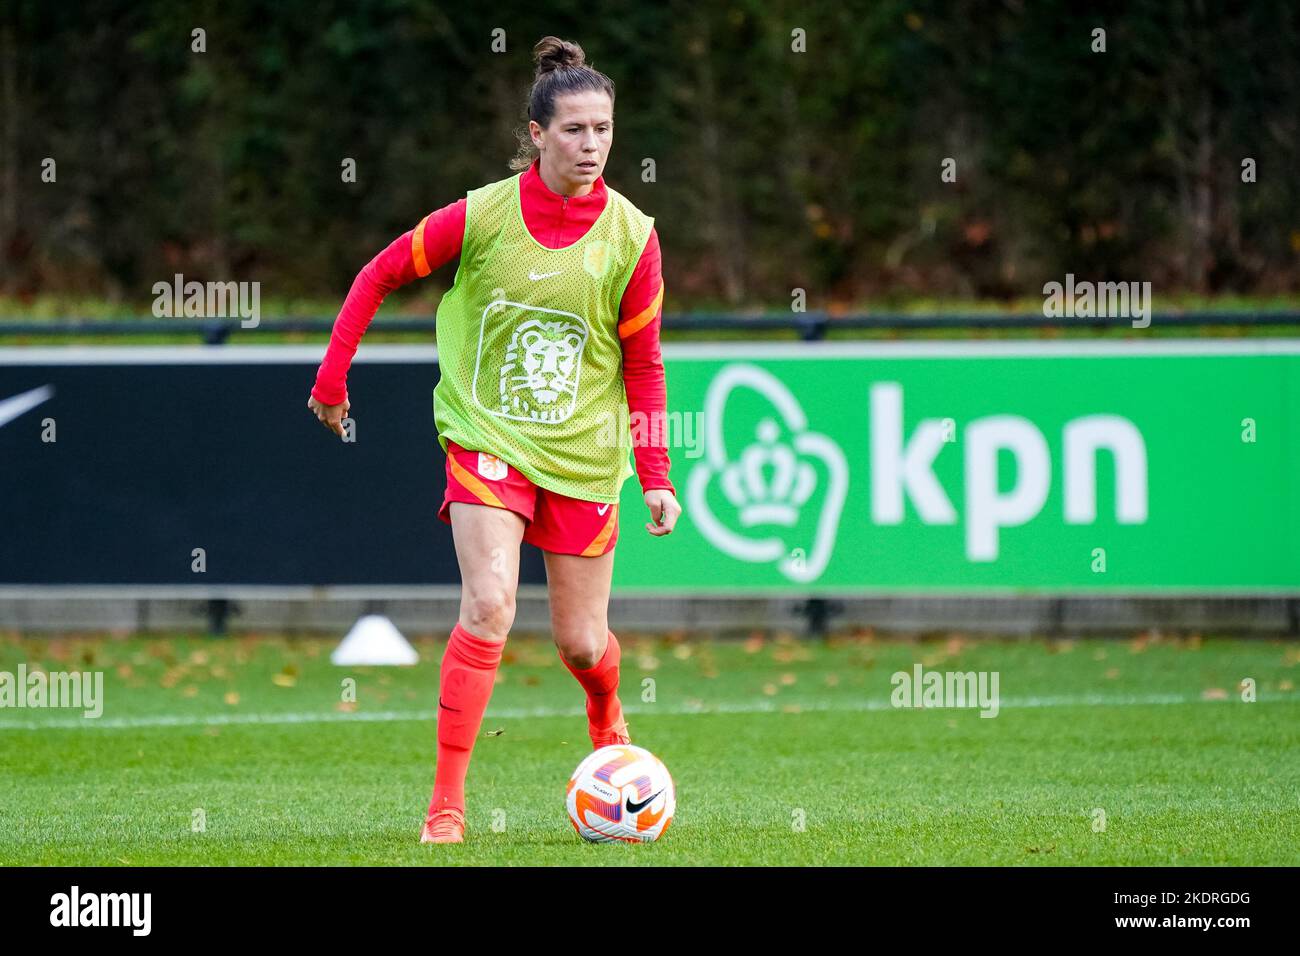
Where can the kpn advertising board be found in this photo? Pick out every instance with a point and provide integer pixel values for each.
(1121, 466)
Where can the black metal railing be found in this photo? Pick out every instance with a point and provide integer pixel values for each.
(810, 326)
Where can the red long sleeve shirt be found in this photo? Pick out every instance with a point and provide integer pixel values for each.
(554, 222)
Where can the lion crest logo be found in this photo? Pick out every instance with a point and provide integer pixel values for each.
(538, 377)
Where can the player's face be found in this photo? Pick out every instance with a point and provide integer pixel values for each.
(576, 145)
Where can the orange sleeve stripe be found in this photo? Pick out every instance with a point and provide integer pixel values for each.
(417, 249)
(644, 317)
(597, 546)
(472, 484)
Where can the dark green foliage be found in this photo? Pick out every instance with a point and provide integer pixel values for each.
(774, 169)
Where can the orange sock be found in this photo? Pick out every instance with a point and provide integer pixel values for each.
(469, 668)
(601, 684)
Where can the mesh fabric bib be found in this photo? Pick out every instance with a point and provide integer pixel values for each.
(531, 368)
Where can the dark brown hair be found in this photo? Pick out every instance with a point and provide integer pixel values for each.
(561, 69)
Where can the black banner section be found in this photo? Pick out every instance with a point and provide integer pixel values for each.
(117, 473)
(1227, 906)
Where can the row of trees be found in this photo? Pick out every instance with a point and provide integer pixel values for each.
(855, 150)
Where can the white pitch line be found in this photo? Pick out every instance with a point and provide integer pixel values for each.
(738, 707)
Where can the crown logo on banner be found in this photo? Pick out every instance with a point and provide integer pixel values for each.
(768, 483)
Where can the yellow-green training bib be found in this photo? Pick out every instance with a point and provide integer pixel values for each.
(530, 364)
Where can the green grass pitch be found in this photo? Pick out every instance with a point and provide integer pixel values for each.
(243, 751)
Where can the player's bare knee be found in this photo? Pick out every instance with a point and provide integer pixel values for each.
(489, 612)
(582, 648)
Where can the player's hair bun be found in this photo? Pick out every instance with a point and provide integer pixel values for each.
(551, 53)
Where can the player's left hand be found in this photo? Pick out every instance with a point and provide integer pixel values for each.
(664, 510)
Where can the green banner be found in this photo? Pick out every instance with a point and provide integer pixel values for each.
(1030, 467)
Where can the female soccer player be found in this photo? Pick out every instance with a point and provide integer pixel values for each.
(548, 346)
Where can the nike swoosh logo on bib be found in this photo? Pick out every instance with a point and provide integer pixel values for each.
(545, 275)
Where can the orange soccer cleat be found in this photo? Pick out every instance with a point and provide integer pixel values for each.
(615, 733)
(444, 826)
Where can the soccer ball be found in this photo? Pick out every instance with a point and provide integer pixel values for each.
(621, 792)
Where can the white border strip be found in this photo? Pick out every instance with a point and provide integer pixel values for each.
(207, 354)
(243, 592)
(441, 592)
(1056, 348)
(682, 351)
(733, 707)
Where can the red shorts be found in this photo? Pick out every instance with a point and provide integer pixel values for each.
(555, 522)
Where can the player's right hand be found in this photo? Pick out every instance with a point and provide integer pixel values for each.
(331, 416)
